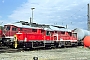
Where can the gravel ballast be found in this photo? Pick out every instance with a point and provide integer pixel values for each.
(75, 53)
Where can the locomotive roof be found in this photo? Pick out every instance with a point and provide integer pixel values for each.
(49, 28)
(57, 29)
(23, 26)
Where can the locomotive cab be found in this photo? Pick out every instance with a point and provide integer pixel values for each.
(8, 34)
(10, 30)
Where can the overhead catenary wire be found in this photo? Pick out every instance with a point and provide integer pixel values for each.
(75, 14)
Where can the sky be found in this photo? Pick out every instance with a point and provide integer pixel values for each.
(72, 13)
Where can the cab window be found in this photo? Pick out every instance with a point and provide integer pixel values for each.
(62, 32)
(34, 30)
(14, 29)
(8, 28)
(47, 33)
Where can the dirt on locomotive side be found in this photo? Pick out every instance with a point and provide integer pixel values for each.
(70, 53)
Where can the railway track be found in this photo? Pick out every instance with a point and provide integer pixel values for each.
(5, 49)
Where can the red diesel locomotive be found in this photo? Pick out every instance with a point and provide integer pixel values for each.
(36, 36)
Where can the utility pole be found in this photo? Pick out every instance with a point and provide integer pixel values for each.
(88, 22)
(32, 13)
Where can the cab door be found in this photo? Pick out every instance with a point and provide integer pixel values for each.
(6, 31)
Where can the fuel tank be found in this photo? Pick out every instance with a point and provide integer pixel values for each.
(81, 33)
(86, 41)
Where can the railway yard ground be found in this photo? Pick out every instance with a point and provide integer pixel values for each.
(69, 53)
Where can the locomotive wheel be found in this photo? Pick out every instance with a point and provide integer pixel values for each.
(61, 45)
(15, 41)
